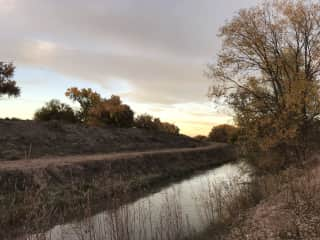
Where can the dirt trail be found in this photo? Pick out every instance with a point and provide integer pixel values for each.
(45, 162)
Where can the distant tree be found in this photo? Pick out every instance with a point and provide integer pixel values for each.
(169, 128)
(201, 138)
(7, 85)
(111, 112)
(99, 111)
(55, 110)
(87, 99)
(223, 133)
(147, 121)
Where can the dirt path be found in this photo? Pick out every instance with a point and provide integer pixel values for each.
(69, 160)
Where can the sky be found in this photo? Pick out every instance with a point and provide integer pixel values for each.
(152, 53)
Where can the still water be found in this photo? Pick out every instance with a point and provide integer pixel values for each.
(174, 212)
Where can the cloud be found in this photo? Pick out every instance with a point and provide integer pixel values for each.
(159, 47)
(149, 52)
(147, 79)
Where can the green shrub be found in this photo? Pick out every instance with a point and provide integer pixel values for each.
(55, 110)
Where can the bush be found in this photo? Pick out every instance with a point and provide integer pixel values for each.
(55, 110)
(146, 121)
(87, 99)
(224, 133)
(201, 138)
(169, 128)
(7, 85)
(111, 112)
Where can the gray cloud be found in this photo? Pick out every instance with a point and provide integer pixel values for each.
(158, 48)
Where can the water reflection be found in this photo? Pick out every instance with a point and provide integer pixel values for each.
(175, 212)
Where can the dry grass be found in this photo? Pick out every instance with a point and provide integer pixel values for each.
(288, 207)
(125, 222)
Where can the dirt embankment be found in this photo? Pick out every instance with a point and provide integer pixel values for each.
(30, 139)
(45, 172)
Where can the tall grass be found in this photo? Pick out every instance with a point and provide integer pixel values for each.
(162, 218)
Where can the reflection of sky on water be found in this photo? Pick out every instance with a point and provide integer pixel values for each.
(177, 208)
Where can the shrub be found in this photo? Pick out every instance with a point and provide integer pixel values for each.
(224, 133)
(146, 121)
(55, 110)
(169, 128)
(7, 85)
(201, 138)
(111, 112)
(87, 99)
(98, 111)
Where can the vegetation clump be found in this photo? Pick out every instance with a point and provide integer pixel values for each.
(201, 138)
(55, 110)
(87, 99)
(147, 121)
(98, 111)
(111, 112)
(224, 133)
(7, 85)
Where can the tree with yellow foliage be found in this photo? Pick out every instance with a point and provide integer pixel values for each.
(111, 112)
(86, 97)
(98, 111)
(268, 71)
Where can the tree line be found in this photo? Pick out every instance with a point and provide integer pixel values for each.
(223, 133)
(95, 110)
(98, 111)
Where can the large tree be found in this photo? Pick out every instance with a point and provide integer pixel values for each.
(7, 85)
(269, 70)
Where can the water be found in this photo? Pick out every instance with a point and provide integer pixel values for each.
(177, 211)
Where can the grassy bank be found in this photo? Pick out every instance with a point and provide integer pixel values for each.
(23, 139)
(283, 205)
(35, 198)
